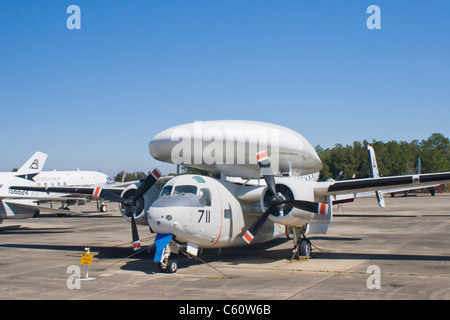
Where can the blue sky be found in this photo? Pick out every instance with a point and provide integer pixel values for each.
(93, 98)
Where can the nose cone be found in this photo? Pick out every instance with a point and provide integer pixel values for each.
(161, 220)
(170, 214)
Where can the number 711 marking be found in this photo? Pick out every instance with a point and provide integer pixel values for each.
(206, 213)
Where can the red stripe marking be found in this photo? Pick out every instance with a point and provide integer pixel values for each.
(248, 236)
(156, 173)
(221, 219)
(261, 155)
(323, 208)
(136, 245)
(97, 191)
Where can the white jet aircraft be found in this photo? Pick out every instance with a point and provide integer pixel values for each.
(73, 178)
(195, 211)
(23, 204)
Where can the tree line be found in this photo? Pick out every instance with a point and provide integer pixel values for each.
(131, 176)
(393, 157)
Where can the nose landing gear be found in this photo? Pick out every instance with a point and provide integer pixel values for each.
(170, 266)
(164, 248)
(167, 264)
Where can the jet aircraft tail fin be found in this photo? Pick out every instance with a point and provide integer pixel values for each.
(375, 174)
(34, 164)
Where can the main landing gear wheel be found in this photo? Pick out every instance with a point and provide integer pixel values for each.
(170, 266)
(103, 208)
(64, 214)
(304, 248)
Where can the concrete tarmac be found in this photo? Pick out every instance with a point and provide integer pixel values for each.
(400, 252)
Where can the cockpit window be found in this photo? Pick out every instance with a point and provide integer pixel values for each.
(205, 197)
(185, 189)
(166, 190)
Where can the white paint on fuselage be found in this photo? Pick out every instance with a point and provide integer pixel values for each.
(220, 223)
(48, 179)
(230, 147)
(70, 178)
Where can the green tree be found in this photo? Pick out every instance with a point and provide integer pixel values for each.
(393, 157)
(131, 176)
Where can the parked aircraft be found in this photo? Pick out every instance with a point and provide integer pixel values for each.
(22, 204)
(189, 212)
(72, 178)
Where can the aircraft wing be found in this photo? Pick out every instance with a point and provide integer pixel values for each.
(89, 192)
(76, 191)
(42, 199)
(116, 184)
(18, 205)
(395, 183)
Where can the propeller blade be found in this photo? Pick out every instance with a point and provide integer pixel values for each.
(266, 170)
(314, 207)
(143, 188)
(256, 226)
(147, 184)
(267, 173)
(134, 234)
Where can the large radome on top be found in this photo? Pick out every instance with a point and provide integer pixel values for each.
(230, 147)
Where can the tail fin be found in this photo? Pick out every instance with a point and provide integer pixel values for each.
(375, 174)
(34, 164)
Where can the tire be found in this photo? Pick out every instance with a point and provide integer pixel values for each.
(172, 266)
(64, 214)
(305, 248)
(103, 208)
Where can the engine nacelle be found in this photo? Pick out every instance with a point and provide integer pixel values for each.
(143, 203)
(284, 192)
(82, 202)
(139, 214)
(290, 189)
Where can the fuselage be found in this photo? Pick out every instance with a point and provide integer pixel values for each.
(47, 179)
(205, 211)
(11, 199)
(215, 213)
(70, 178)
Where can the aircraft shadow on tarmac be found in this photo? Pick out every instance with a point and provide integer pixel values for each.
(261, 254)
(372, 216)
(258, 254)
(378, 256)
(76, 214)
(351, 215)
(18, 229)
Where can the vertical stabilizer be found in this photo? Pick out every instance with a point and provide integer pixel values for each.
(375, 174)
(34, 164)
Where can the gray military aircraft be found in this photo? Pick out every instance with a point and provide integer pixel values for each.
(196, 211)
